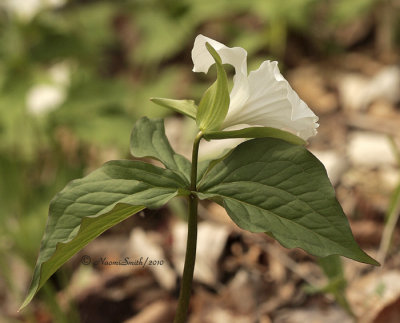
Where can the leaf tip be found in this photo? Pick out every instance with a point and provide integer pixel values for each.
(366, 259)
(26, 302)
(374, 262)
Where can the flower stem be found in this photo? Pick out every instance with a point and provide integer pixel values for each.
(195, 156)
(186, 287)
(190, 258)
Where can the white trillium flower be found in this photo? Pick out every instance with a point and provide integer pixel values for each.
(26, 10)
(43, 98)
(262, 98)
(60, 73)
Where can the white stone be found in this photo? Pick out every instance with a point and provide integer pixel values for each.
(384, 85)
(351, 91)
(334, 163)
(141, 245)
(211, 240)
(370, 149)
(357, 92)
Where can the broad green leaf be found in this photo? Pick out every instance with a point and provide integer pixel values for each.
(187, 107)
(255, 132)
(214, 104)
(206, 165)
(268, 185)
(87, 207)
(148, 139)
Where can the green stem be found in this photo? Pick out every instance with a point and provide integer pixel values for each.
(187, 278)
(195, 155)
(190, 258)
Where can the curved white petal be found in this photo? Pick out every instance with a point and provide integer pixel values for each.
(273, 103)
(215, 149)
(235, 56)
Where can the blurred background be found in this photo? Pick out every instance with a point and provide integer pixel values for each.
(76, 74)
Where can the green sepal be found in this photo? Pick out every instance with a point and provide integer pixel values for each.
(214, 104)
(186, 107)
(256, 132)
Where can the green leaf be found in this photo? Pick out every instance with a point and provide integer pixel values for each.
(148, 139)
(255, 132)
(214, 104)
(206, 165)
(268, 185)
(87, 207)
(186, 107)
(337, 283)
(332, 267)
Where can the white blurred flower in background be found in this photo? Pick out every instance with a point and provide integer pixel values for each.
(60, 73)
(45, 97)
(26, 10)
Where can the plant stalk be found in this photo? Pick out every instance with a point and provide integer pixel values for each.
(190, 258)
(195, 157)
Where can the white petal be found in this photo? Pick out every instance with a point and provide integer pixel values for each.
(215, 149)
(236, 56)
(273, 103)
